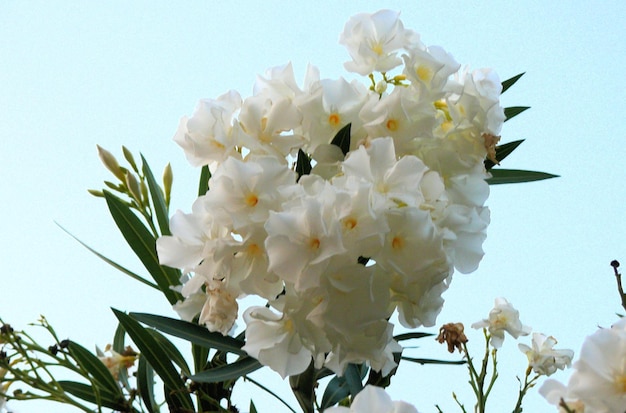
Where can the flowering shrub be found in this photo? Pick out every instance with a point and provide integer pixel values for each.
(339, 204)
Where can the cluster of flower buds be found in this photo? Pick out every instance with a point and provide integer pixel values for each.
(385, 200)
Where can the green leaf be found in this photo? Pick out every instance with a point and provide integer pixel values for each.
(145, 385)
(158, 359)
(143, 245)
(510, 82)
(239, 368)
(303, 387)
(353, 378)
(200, 357)
(119, 346)
(409, 336)
(110, 262)
(342, 139)
(191, 332)
(252, 407)
(303, 164)
(336, 390)
(86, 392)
(502, 151)
(203, 185)
(171, 351)
(514, 176)
(513, 111)
(432, 361)
(119, 339)
(158, 201)
(92, 364)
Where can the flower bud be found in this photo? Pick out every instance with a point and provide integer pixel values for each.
(130, 158)
(133, 187)
(381, 87)
(111, 163)
(168, 179)
(96, 193)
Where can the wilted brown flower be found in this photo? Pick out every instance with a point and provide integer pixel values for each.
(452, 334)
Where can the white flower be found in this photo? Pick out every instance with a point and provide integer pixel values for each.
(393, 181)
(208, 136)
(247, 190)
(374, 399)
(599, 379)
(429, 70)
(274, 341)
(373, 41)
(543, 358)
(554, 391)
(302, 239)
(503, 317)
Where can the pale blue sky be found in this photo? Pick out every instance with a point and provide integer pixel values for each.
(77, 74)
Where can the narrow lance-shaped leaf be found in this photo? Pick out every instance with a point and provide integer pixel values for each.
(303, 164)
(191, 332)
(145, 385)
(158, 359)
(158, 201)
(303, 387)
(342, 139)
(502, 151)
(172, 352)
(239, 368)
(515, 176)
(111, 262)
(510, 82)
(513, 111)
(336, 390)
(143, 245)
(409, 336)
(432, 361)
(105, 397)
(203, 185)
(354, 379)
(92, 364)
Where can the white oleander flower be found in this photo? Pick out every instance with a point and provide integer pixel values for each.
(543, 358)
(273, 339)
(302, 239)
(394, 182)
(374, 399)
(373, 41)
(247, 190)
(210, 134)
(429, 70)
(599, 378)
(503, 317)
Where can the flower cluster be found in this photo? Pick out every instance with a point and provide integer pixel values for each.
(598, 384)
(543, 359)
(386, 199)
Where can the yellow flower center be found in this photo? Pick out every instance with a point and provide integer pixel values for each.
(349, 223)
(253, 249)
(251, 200)
(392, 125)
(334, 119)
(424, 73)
(288, 326)
(446, 126)
(314, 244)
(397, 243)
(620, 383)
(377, 48)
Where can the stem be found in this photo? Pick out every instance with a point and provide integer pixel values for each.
(269, 391)
(524, 389)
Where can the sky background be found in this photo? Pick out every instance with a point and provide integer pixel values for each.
(77, 74)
